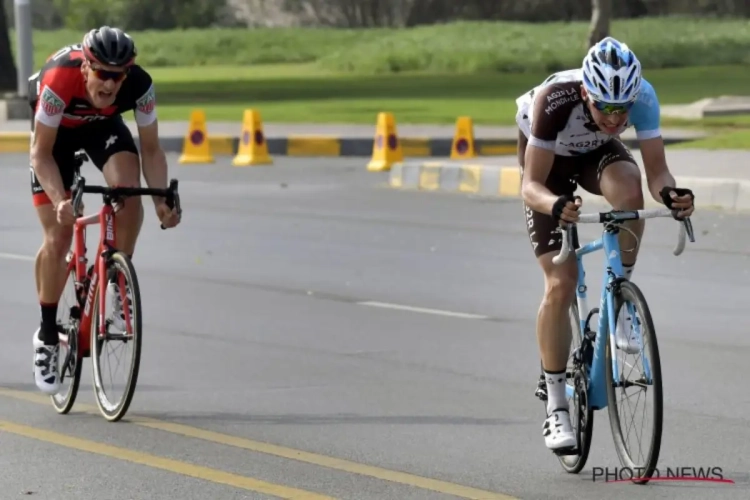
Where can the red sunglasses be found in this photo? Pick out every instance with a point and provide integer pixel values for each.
(104, 74)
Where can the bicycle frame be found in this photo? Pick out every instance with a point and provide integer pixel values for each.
(106, 220)
(597, 392)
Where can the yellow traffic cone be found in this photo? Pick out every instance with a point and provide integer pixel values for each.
(386, 148)
(253, 148)
(195, 148)
(463, 139)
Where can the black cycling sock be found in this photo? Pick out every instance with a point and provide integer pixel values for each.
(48, 332)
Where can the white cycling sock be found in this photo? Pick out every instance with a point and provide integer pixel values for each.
(556, 399)
(628, 271)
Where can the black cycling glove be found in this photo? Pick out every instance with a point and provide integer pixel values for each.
(668, 200)
(557, 208)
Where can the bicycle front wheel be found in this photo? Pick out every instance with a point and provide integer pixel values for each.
(123, 334)
(69, 313)
(637, 449)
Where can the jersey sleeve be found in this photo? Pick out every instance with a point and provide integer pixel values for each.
(145, 99)
(645, 115)
(54, 95)
(552, 108)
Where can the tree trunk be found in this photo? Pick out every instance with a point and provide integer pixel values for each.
(601, 14)
(7, 63)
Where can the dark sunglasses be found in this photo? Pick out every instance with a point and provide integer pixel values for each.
(612, 109)
(104, 75)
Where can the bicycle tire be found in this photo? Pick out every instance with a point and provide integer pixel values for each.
(65, 404)
(120, 409)
(573, 464)
(629, 292)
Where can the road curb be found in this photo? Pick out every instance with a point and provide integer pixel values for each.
(323, 145)
(505, 182)
(474, 178)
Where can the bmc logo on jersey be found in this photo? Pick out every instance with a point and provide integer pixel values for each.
(147, 102)
(85, 118)
(51, 102)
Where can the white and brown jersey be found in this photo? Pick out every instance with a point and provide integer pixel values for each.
(553, 116)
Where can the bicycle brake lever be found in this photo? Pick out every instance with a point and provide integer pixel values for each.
(689, 229)
(172, 193)
(77, 192)
(173, 199)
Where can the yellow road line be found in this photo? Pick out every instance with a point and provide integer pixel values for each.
(288, 453)
(186, 469)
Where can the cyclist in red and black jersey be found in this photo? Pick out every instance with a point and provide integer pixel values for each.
(78, 98)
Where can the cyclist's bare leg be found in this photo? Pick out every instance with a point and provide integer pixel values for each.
(50, 259)
(123, 169)
(553, 321)
(553, 328)
(620, 184)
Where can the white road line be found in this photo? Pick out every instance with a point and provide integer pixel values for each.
(423, 310)
(384, 305)
(15, 256)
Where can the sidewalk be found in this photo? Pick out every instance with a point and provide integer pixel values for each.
(328, 139)
(719, 179)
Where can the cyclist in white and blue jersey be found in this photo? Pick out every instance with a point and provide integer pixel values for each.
(569, 129)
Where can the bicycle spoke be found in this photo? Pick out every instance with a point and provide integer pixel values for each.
(70, 365)
(637, 444)
(123, 333)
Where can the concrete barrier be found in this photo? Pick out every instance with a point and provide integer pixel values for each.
(505, 181)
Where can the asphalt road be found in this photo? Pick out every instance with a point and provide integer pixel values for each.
(266, 373)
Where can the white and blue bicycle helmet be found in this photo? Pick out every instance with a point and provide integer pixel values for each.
(612, 73)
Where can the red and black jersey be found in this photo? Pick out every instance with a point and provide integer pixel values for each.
(57, 93)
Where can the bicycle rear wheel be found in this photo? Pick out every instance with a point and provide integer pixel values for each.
(120, 270)
(69, 314)
(581, 416)
(642, 464)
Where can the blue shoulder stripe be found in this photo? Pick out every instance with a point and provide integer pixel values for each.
(645, 114)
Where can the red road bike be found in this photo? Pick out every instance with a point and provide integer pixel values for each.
(86, 332)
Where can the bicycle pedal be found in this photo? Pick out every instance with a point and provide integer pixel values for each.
(541, 394)
(541, 389)
(566, 452)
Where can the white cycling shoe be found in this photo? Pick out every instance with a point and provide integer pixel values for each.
(46, 365)
(626, 337)
(558, 432)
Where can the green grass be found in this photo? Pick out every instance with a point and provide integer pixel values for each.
(469, 47)
(713, 123)
(738, 139)
(305, 93)
(430, 74)
(210, 47)
(461, 47)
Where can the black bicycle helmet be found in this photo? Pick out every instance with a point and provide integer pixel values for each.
(110, 46)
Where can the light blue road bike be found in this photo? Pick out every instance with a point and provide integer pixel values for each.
(594, 372)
